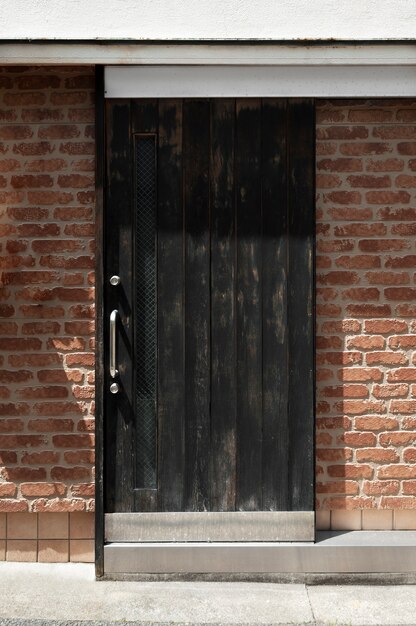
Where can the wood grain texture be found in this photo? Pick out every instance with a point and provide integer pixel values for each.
(223, 328)
(196, 151)
(235, 243)
(119, 408)
(248, 308)
(301, 142)
(171, 280)
(274, 306)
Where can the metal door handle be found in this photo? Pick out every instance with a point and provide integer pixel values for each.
(113, 334)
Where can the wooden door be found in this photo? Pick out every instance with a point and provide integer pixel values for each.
(209, 225)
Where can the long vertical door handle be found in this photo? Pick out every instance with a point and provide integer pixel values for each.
(113, 350)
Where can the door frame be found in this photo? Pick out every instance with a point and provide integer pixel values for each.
(385, 58)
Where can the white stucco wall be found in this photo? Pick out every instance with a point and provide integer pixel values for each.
(208, 19)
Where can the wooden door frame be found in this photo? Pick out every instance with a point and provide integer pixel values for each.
(100, 374)
(320, 54)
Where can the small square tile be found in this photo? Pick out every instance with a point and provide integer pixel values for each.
(2, 550)
(21, 550)
(405, 520)
(53, 551)
(22, 526)
(323, 520)
(53, 526)
(345, 520)
(81, 525)
(2, 525)
(377, 520)
(81, 550)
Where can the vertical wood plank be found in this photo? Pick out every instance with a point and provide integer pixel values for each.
(99, 318)
(196, 136)
(119, 407)
(223, 355)
(144, 119)
(249, 318)
(301, 141)
(274, 306)
(171, 373)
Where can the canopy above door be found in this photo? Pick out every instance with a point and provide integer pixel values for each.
(268, 81)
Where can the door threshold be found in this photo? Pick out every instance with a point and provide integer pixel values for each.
(360, 552)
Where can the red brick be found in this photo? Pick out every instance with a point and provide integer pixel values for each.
(409, 455)
(55, 408)
(12, 506)
(7, 490)
(334, 454)
(340, 165)
(41, 360)
(24, 473)
(43, 489)
(361, 294)
(357, 440)
(345, 391)
(375, 423)
(369, 181)
(362, 149)
(358, 261)
(388, 278)
(383, 487)
(390, 391)
(397, 471)
(69, 473)
(360, 374)
(339, 486)
(73, 441)
(402, 341)
(58, 505)
(403, 374)
(404, 230)
(51, 425)
(350, 471)
(11, 425)
(385, 326)
(47, 457)
(21, 441)
(60, 376)
(350, 213)
(398, 439)
(369, 310)
(83, 490)
(342, 326)
(79, 456)
(386, 358)
(377, 455)
(385, 165)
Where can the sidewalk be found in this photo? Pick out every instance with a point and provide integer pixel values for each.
(33, 594)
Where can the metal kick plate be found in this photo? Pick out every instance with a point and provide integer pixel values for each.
(210, 526)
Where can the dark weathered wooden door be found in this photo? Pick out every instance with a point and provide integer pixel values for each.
(209, 226)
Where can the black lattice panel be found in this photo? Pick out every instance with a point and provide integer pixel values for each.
(146, 310)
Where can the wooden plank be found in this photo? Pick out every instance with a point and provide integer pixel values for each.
(171, 373)
(144, 120)
(249, 269)
(301, 143)
(274, 306)
(99, 319)
(119, 407)
(223, 372)
(196, 137)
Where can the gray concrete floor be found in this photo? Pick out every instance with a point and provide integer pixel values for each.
(36, 594)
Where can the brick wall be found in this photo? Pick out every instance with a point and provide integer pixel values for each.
(366, 305)
(46, 289)
(366, 367)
